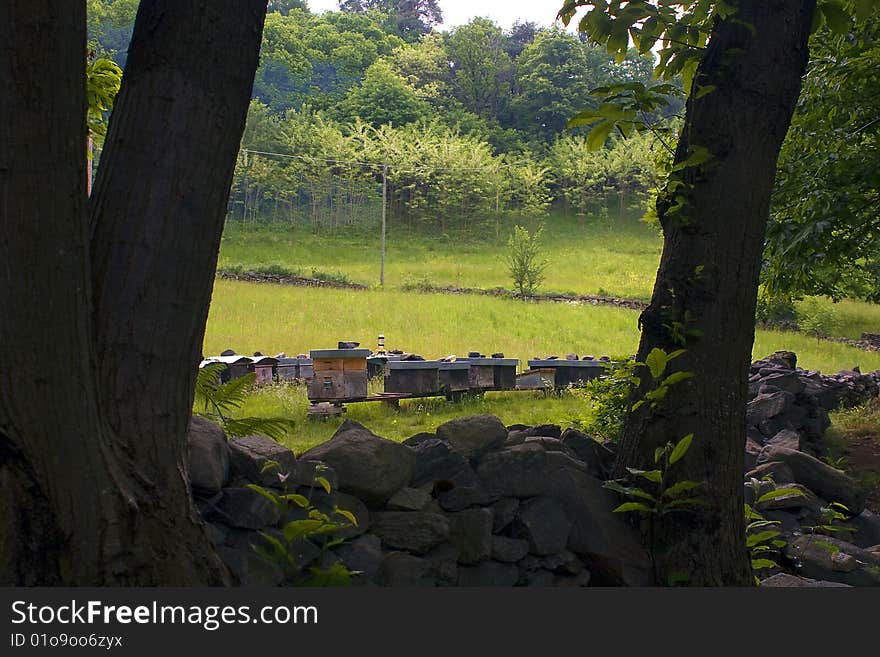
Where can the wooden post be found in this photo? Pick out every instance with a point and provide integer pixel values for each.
(384, 213)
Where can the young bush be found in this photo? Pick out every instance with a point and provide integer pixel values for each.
(524, 264)
(817, 318)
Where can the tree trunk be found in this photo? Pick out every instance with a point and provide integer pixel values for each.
(713, 218)
(107, 330)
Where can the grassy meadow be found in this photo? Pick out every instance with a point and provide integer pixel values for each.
(611, 257)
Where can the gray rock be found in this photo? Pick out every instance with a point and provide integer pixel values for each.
(443, 564)
(488, 573)
(544, 524)
(435, 460)
(247, 509)
(462, 497)
(751, 454)
(470, 532)
(344, 501)
(207, 456)
(400, 569)
(416, 531)
(550, 444)
(248, 569)
(829, 483)
(598, 457)
(509, 550)
(250, 454)
(514, 471)
(216, 533)
(827, 558)
(768, 406)
(563, 563)
(473, 436)
(611, 545)
(867, 529)
(778, 471)
(504, 511)
(549, 430)
(306, 472)
(408, 499)
(369, 467)
(418, 439)
(788, 522)
(573, 581)
(786, 438)
(788, 580)
(786, 381)
(515, 437)
(799, 497)
(363, 555)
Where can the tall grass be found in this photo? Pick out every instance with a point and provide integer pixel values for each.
(618, 258)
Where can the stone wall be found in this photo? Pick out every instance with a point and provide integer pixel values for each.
(478, 503)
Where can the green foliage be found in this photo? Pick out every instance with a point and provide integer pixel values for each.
(816, 318)
(103, 79)
(762, 535)
(219, 401)
(774, 310)
(607, 400)
(656, 362)
(832, 518)
(383, 97)
(524, 262)
(315, 526)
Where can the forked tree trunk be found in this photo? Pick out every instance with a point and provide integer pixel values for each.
(704, 296)
(100, 351)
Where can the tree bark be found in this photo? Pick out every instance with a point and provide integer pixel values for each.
(713, 217)
(99, 355)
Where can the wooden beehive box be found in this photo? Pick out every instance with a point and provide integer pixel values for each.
(416, 377)
(481, 372)
(454, 376)
(339, 374)
(570, 372)
(295, 369)
(236, 366)
(504, 373)
(264, 368)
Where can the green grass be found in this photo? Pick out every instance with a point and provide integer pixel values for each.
(618, 258)
(250, 317)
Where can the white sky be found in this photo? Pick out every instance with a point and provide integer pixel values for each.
(458, 12)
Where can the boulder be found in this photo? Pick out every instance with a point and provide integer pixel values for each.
(548, 430)
(435, 460)
(247, 509)
(778, 471)
(867, 528)
(474, 435)
(401, 569)
(363, 555)
(799, 497)
(504, 511)
(788, 580)
(408, 499)
(516, 471)
(766, 407)
(466, 491)
(369, 467)
(598, 457)
(249, 456)
(207, 456)
(443, 564)
(544, 524)
(470, 532)
(829, 483)
(306, 472)
(827, 558)
(509, 550)
(787, 438)
(416, 531)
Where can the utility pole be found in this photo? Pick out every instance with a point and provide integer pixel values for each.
(384, 214)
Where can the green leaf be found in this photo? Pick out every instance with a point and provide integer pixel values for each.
(322, 481)
(677, 377)
(301, 528)
(634, 506)
(681, 448)
(597, 136)
(300, 500)
(758, 564)
(761, 537)
(779, 492)
(697, 155)
(836, 17)
(272, 497)
(681, 487)
(586, 117)
(656, 362)
(348, 515)
(651, 475)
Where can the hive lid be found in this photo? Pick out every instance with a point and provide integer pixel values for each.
(454, 365)
(559, 362)
(413, 365)
(295, 361)
(339, 353)
(230, 360)
(504, 362)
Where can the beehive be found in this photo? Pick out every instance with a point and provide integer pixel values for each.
(339, 374)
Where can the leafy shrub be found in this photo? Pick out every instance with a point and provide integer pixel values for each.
(523, 262)
(606, 398)
(774, 310)
(330, 276)
(816, 317)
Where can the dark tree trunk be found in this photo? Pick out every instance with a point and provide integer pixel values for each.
(704, 296)
(99, 355)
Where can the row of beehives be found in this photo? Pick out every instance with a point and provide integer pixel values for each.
(344, 374)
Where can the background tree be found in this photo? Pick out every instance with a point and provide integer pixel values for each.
(742, 65)
(383, 97)
(824, 232)
(92, 463)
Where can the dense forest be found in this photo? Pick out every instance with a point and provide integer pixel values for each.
(470, 129)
